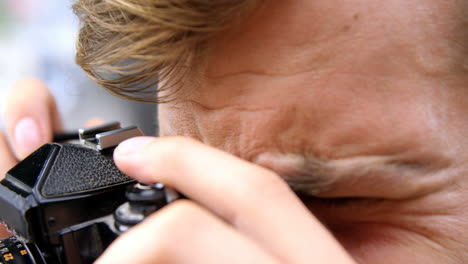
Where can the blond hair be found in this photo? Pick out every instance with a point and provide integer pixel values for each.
(128, 46)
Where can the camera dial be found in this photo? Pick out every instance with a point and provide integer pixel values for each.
(143, 200)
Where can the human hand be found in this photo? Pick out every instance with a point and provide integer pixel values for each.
(30, 117)
(238, 212)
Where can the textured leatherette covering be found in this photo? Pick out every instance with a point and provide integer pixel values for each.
(78, 169)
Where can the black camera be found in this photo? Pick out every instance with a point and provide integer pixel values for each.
(67, 202)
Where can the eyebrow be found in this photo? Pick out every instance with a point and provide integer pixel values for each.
(311, 178)
(314, 176)
(304, 174)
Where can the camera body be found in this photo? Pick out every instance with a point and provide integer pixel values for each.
(67, 202)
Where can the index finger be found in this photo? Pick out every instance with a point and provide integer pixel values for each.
(7, 161)
(30, 116)
(253, 199)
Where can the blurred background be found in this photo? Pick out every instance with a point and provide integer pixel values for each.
(37, 39)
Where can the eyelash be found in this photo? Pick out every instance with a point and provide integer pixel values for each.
(342, 201)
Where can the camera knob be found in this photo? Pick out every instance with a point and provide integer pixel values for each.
(142, 200)
(146, 194)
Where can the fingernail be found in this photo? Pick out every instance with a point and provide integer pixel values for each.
(27, 136)
(132, 145)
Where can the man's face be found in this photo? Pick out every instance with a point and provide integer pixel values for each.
(361, 104)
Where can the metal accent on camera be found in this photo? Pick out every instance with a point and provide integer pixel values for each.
(107, 135)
